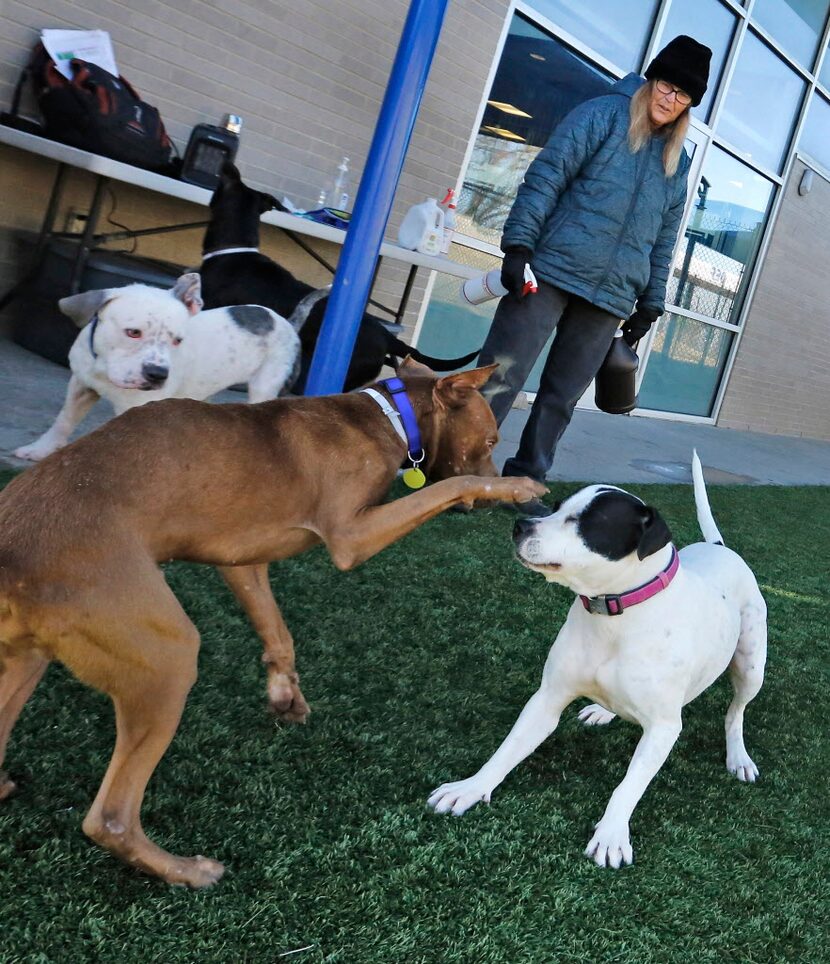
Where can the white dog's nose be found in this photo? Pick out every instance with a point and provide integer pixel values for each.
(155, 374)
(523, 528)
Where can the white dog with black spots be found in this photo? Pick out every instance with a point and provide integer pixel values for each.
(650, 630)
(138, 344)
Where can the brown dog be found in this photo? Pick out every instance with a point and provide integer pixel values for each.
(236, 486)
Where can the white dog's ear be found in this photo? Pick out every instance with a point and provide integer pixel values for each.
(82, 308)
(188, 289)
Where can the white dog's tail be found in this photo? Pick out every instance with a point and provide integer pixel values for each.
(705, 519)
(303, 307)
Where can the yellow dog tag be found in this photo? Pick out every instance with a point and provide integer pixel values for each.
(414, 478)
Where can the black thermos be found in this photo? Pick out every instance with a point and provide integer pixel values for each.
(615, 383)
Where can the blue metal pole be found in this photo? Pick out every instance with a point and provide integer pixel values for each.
(353, 278)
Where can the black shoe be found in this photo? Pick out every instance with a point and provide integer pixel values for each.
(533, 508)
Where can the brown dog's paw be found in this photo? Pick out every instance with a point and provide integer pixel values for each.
(194, 872)
(133, 847)
(285, 699)
(7, 785)
(293, 714)
(509, 489)
(524, 489)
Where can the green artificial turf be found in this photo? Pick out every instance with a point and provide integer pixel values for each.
(416, 665)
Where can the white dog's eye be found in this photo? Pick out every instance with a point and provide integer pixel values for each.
(177, 341)
(132, 332)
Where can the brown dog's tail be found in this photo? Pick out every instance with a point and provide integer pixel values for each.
(399, 349)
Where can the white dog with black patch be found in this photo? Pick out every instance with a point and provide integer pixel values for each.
(140, 343)
(650, 630)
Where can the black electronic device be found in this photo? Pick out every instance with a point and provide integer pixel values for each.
(208, 149)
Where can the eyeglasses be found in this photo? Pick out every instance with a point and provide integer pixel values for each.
(679, 95)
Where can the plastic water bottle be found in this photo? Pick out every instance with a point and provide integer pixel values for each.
(448, 207)
(336, 192)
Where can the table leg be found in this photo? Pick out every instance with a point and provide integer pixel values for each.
(46, 232)
(87, 241)
(407, 291)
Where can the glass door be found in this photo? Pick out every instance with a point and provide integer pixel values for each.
(690, 344)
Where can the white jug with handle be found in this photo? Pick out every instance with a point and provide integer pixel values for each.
(422, 228)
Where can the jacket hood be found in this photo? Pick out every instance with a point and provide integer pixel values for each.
(628, 86)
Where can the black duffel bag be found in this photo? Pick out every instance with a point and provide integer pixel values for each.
(98, 112)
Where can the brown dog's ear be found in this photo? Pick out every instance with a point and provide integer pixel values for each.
(455, 390)
(656, 533)
(188, 289)
(411, 367)
(230, 172)
(82, 308)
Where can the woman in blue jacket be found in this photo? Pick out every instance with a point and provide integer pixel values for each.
(597, 218)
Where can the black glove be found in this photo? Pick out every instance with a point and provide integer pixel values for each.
(513, 269)
(638, 325)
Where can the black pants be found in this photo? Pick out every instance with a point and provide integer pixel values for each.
(520, 328)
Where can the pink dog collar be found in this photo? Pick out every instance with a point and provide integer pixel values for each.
(611, 605)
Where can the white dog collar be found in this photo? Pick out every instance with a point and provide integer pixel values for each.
(215, 254)
(613, 605)
(389, 411)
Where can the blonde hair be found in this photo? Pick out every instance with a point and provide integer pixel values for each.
(641, 130)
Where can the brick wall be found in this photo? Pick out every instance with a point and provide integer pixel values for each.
(780, 383)
(307, 78)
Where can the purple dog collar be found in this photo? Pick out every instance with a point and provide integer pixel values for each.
(611, 605)
(400, 400)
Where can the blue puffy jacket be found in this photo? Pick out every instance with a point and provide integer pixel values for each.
(601, 222)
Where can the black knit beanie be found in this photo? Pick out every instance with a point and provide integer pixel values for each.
(685, 63)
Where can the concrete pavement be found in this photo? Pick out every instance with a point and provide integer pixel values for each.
(595, 448)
